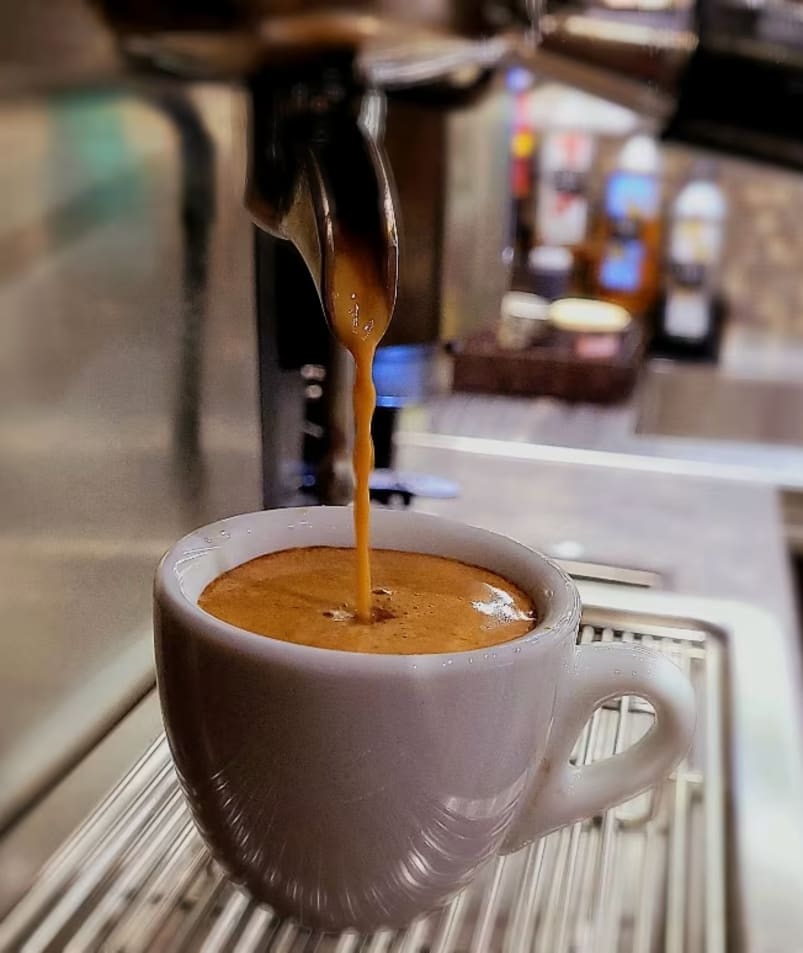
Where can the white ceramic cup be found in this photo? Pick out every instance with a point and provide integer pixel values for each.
(359, 790)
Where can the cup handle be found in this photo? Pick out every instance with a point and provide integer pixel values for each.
(563, 793)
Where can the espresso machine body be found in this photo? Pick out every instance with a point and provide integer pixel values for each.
(337, 94)
(437, 124)
(721, 75)
(451, 276)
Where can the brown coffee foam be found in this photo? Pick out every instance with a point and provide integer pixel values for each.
(422, 604)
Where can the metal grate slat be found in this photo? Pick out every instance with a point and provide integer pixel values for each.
(648, 876)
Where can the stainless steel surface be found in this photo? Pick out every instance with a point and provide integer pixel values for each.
(619, 509)
(30, 843)
(711, 860)
(475, 226)
(601, 436)
(316, 172)
(660, 59)
(737, 422)
(657, 61)
(104, 357)
(612, 575)
(633, 57)
(711, 403)
(399, 43)
(71, 42)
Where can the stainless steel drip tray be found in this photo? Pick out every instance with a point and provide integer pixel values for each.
(710, 861)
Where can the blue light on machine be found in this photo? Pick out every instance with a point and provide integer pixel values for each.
(403, 374)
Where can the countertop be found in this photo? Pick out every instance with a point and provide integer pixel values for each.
(129, 414)
(739, 418)
(703, 535)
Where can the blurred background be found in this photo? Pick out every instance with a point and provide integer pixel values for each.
(597, 345)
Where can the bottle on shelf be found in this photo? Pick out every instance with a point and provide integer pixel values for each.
(564, 164)
(629, 244)
(522, 149)
(690, 316)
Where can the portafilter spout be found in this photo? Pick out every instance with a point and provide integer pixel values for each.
(317, 175)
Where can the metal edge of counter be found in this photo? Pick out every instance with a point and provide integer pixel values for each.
(43, 757)
(608, 459)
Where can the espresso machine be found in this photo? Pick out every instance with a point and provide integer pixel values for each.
(722, 75)
(353, 112)
(336, 93)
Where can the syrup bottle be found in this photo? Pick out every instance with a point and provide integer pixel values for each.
(627, 269)
(690, 318)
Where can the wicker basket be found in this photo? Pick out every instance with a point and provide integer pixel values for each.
(549, 368)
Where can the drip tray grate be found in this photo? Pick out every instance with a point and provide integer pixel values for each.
(647, 876)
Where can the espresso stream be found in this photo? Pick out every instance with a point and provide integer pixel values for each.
(422, 604)
(360, 316)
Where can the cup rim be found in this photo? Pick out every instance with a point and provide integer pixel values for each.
(559, 621)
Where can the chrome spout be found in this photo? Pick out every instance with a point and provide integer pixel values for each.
(317, 173)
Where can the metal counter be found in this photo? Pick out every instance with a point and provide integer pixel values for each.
(701, 534)
(129, 410)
